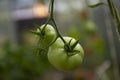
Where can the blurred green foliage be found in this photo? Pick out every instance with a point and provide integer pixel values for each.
(92, 42)
(21, 63)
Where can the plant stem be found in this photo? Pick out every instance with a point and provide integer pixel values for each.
(51, 14)
(51, 8)
(52, 19)
(114, 13)
(58, 33)
(43, 30)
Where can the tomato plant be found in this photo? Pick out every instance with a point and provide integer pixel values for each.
(47, 35)
(90, 27)
(65, 53)
(63, 58)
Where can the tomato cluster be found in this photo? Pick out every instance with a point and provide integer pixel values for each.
(65, 54)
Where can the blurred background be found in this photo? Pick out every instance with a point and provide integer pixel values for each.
(95, 28)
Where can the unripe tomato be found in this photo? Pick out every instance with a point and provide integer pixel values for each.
(48, 36)
(62, 59)
(90, 27)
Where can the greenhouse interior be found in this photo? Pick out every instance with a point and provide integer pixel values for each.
(59, 40)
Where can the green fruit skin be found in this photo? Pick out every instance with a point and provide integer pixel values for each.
(58, 57)
(90, 27)
(50, 35)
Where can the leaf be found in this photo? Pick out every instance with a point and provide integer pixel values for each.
(97, 4)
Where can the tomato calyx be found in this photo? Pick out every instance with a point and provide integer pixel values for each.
(70, 49)
(41, 32)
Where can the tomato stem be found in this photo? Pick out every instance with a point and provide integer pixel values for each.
(52, 19)
(51, 8)
(51, 42)
(43, 30)
(51, 16)
(115, 14)
(58, 33)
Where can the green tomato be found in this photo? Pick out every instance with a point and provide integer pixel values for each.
(59, 58)
(48, 36)
(90, 27)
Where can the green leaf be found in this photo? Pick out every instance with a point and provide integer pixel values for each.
(97, 4)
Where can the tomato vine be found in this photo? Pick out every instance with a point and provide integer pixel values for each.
(51, 19)
(55, 45)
